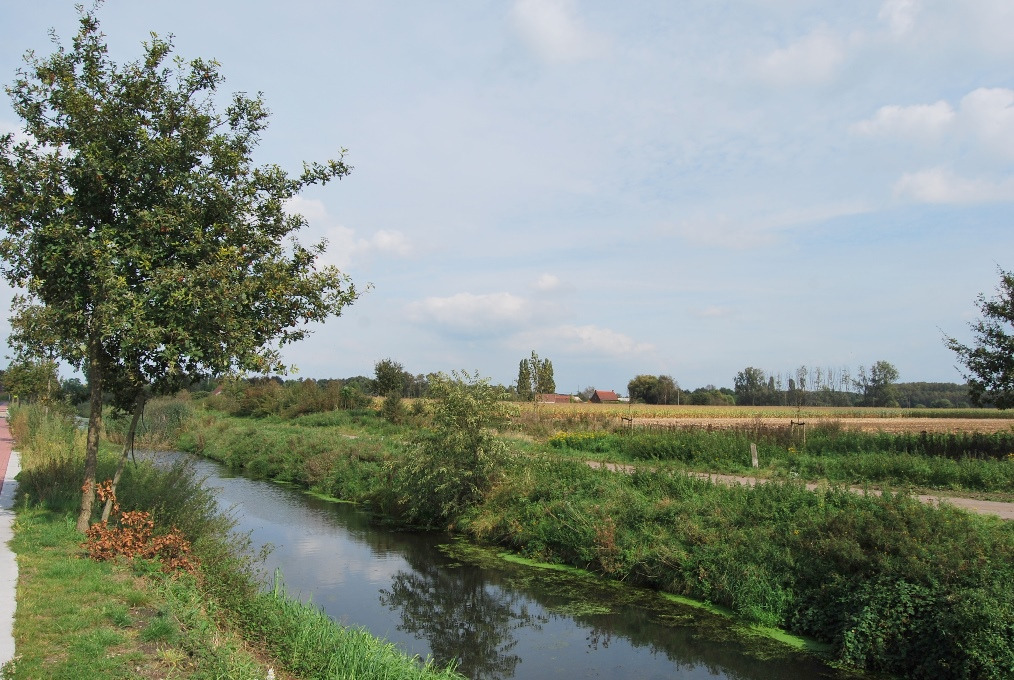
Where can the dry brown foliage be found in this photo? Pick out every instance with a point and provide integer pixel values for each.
(134, 537)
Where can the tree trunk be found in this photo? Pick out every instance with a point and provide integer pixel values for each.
(128, 445)
(94, 431)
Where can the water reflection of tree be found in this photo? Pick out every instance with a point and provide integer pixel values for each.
(461, 617)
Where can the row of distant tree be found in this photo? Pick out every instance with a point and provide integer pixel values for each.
(817, 386)
(806, 386)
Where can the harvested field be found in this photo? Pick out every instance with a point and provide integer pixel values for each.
(608, 416)
(985, 425)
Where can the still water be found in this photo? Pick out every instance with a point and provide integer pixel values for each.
(434, 597)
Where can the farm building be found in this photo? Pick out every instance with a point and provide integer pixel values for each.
(604, 397)
(554, 399)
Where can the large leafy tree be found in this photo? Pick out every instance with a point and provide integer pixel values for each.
(31, 380)
(750, 385)
(651, 389)
(990, 359)
(643, 388)
(134, 216)
(390, 377)
(535, 377)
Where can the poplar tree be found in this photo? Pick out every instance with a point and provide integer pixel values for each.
(525, 387)
(133, 215)
(535, 377)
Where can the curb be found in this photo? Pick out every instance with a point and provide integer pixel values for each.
(10, 465)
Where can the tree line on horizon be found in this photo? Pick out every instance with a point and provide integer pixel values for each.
(806, 386)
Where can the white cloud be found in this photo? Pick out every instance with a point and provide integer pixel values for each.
(988, 113)
(554, 30)
(752, 229)
(592, 339)
(582, 340)
(983, 121)
(920, 120)
(547, 282)
(899, 15)
(344, 246)
(942, 185)
(467, 312)
(386, 241)
(813, 59)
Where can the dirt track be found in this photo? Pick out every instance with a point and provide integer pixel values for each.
(865, 424)
(997, 508)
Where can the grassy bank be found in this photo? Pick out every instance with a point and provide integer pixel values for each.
(890, 584)
(935, 461)
(77, 618)
(126, 618)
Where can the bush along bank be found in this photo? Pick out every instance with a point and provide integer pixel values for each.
(142, 615)
(890, 584)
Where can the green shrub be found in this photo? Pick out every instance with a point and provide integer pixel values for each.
(591, 441)
(458, 461)
(161, 423)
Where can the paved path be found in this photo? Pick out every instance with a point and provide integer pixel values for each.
(1000, 509)
(9, 467)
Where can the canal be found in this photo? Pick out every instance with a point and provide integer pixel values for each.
(433, 596)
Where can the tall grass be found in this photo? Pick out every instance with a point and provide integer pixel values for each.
(304, 640)
(891, 584)
(950, 461)
(161, 423)
(308, 644)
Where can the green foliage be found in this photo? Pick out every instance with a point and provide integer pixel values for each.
(875, 577)
(535, 376)
(309, 643)
(351, 397)
(751, 386)
(888, 583)
(933, 395)
(393, 408)
(32, 380)
(973, 461)
(74, 391)
(76, 636)
(390, 377)
(878, 385)
(455, 463)
(651, 389)
(990, 359)
(264, 397)
(596, 442)
(315, 451)
(51, 455)
(712, 396)
(161, 424)
(151, 249)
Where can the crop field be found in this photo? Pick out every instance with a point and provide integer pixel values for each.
(609, 416)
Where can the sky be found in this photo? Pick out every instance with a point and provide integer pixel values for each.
(653, 187)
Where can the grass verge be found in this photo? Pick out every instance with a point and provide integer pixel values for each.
(80, 619)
